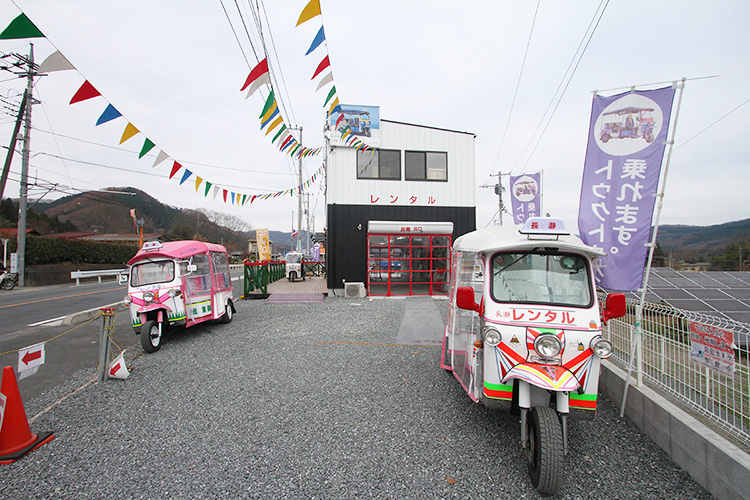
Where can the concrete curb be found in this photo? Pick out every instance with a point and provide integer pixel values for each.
(712, 461)
(80, 317)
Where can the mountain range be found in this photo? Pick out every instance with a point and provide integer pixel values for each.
(110, 212)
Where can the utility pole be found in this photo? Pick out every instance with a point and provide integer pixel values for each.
(499, 192)
(299, 195)
(21, 250)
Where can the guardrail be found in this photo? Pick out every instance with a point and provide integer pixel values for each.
(79, 275)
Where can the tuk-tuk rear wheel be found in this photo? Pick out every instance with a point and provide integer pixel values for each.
(150, 336)
(228, 313)
(545, 450)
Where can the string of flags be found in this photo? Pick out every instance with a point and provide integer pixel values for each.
(325, 72)
(22, 27)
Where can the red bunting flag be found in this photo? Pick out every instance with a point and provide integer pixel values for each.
(323, 65)
(87, 91)
(175, 168)
(257, 71)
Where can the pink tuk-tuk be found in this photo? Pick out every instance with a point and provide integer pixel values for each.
(178, 283)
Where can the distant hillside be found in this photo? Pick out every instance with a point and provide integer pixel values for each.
(105, 212)
(702, 239)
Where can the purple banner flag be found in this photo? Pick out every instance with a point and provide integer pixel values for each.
(627, 137)
(525, 197)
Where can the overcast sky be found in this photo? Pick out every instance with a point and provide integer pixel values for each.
(174, 70)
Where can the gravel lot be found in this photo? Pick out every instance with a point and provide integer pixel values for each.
(310, 401)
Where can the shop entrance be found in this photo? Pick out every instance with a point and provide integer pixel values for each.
(412, 261)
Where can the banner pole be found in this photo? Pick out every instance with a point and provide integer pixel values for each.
(638, 331)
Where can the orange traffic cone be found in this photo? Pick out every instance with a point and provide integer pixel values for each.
(16, 439)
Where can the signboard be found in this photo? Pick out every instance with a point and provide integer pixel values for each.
(30, 359)
(525, 196)
(627, 137)
(712, 347)
(14, 262)
(264, 248)
(355, 122)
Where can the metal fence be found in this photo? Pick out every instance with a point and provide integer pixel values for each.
(666, 365)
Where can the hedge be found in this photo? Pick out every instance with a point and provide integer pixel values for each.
(41, 250)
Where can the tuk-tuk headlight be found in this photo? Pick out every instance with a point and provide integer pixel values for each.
(174, 292)
(547, 346)
(491, 336)
(127, 300)
(148, 296)
(602, 348)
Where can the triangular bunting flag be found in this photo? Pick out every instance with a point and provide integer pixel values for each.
(263, 79)
(22, 27)
(311, 10)
(225, 195)
(110, 113)
(325, 81)
(330, 94)
(216, 191)
(270, 101)
(257, 71)
(185, 176)
(323, 65)
(271, 117)
(147, 146)
(175, 168)
(208, 188)
(275, 124)
(334, 105)
(316, 41)
(55, 62)
(159, 158)
(281, 131)
(198, 181)
(87, 91)
(129, 132)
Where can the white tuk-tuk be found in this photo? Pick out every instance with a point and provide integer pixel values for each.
(295, 266)
(177, 283)
(525, 333)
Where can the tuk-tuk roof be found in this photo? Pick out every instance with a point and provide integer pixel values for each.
(175, 250)
(506, 238)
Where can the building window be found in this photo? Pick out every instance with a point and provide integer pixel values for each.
(426, 166)
(380, 164)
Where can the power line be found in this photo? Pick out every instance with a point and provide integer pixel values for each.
(587, 36)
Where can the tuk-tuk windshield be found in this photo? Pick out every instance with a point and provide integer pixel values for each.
(150, 273)
(293, 258)
(559, 278)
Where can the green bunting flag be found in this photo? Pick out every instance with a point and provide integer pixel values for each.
(21, 27)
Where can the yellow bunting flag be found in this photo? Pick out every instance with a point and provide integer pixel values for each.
(129, 132)
(311, 10)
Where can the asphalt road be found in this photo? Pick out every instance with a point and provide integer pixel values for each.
(32, 315)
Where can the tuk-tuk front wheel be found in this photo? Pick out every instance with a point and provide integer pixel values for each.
(544, 450)
(150, 336)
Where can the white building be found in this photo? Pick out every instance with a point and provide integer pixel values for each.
(395, 208)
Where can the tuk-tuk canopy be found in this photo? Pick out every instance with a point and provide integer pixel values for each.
(174, 250)
(506, 238)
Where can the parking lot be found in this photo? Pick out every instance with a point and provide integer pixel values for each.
(310, 401)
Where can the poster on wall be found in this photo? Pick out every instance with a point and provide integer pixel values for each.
(361, 122)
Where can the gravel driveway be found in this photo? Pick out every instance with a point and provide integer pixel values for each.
(310, 401)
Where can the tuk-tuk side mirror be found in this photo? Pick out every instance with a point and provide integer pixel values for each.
(465, 299)
(122, 278)
(615, 307)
